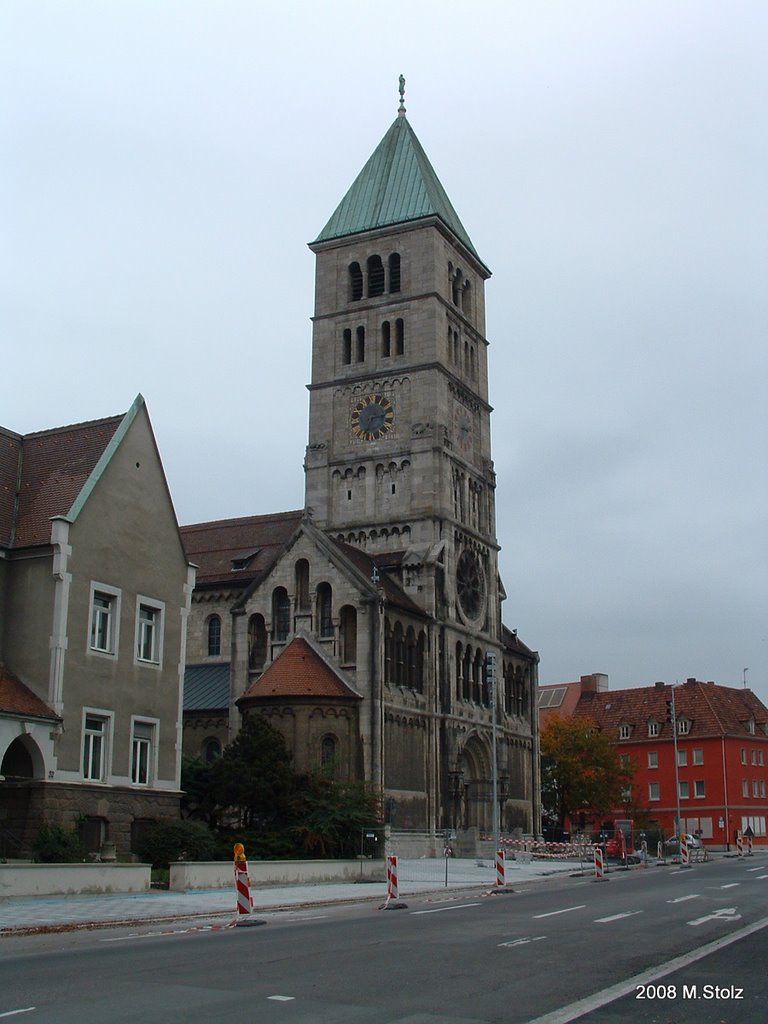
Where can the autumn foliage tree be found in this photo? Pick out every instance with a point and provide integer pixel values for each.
(581, 771)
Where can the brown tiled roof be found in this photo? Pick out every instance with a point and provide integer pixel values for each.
(55, 465)
(513, 643)
(237, 551)
(365, 563)
(18, 699)
(712, 710)
(300, 671)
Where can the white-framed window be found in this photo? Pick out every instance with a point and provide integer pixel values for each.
(698, 755)
(685, 790)
(762, 789)
(698, 787)
(683, 726)
(653, 728)
(104, 619)
(96, 744)
(653, 791)
(149, 630)
(743, 755)
(755, 822)
(653, 759)
(745, 787)
(761, 757)
(755, 788)
(754, 757)
(142, 751)
(625, 731)
(682, 758)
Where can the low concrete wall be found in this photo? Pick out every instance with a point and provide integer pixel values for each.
(68, 879)
(220, 875)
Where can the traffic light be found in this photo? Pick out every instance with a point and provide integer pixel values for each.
(670, 711)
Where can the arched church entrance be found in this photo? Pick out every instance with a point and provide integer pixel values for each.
(474, 762)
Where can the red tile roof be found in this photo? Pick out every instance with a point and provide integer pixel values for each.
(252, 543)
(300, 671)
(712, 710)
(18, 699)
(54, 467)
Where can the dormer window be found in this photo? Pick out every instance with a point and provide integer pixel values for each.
(625, 731)
(241, 562)
(653, 728)
(683, 726)
(750, 726)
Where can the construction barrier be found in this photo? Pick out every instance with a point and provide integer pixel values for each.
(549, 851)
(243, 889)
(392, 902)
(685, 857)
(599, 863)
(740, 843)
(749, 846)
(501, 880)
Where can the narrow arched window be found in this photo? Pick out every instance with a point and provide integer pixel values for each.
(211, 750)
(387, 652)
(361, 344)
(328, 755)
(324, 609)
(386, 339)
(257, 643)
(375, 276)
(348, 635)
(394, 272)
(410, 658)
(459, 685)
(214, 636)
(399, 337)
(281, 614)
(399, 651)
(355, 282)
(302, 585)
(346, 348)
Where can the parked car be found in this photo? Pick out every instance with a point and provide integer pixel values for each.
(673, 842)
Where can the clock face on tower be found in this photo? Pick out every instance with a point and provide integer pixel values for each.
(372, 417)
(462, 423)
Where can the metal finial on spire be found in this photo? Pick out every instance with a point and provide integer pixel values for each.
(401, 108)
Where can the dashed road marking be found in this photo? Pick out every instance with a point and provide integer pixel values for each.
(522, 942)
(552, 913)
(441, 910)
(682, 899)
(616, 917)
(282, 999)
(12, 1013)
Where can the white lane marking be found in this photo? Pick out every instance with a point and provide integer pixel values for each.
(725, 914)
(730, 885)
(552, 913)
(760, 877)
(617, 917)
(441, 910)
(282, 999)
(568, 1014)
(754, 869)
(682, 899)
(522, 942)
(12, 1013)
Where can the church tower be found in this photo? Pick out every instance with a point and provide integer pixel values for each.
(399, 455)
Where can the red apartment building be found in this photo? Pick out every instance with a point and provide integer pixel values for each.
(722, 751)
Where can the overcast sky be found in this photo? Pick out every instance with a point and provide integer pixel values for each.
(165, 162)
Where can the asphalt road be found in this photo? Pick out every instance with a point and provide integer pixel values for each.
(658, 945)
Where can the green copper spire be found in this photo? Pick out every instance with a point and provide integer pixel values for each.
(397, 185)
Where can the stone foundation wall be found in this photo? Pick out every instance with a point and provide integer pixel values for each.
(103, 814)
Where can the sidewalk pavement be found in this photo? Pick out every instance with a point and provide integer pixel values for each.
(25, 915)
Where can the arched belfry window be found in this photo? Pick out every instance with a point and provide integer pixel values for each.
(281, 614)
(394, 272)
(386, 339)
(302, 585)
(348, 634)
(257, 643)
(355, 282)
(360, 351)
(399, 336)
(324, 609)
(346, 351)
(375, 276)
(214, 636)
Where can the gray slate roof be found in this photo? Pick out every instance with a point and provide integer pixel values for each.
(206, 687)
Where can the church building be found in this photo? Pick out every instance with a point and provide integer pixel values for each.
(367, 627)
